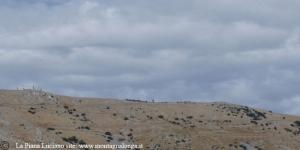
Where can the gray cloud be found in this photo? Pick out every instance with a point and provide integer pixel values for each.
(241, 52)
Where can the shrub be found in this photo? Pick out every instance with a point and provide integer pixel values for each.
(108, 133)
(243, 147)
(254, 122)
(50, 129)
(72, 139)
(297, 123)
(161, 116)
(32, 110)
(81, 142)
(190, 117)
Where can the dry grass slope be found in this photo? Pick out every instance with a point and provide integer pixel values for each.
(36, 116)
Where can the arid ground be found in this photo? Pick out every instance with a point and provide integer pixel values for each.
(29, 116)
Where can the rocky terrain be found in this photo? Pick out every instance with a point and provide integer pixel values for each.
(30, 116)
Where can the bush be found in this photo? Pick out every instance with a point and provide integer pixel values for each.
(81, 142)
(32, 110)
(72, 139)
(254, 122)
(297, 123)
(190, 117)
(108, 133)
(50, 129)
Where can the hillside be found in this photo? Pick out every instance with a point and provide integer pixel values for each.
(28, 116)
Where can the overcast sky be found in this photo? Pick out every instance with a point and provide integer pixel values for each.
(245, 52)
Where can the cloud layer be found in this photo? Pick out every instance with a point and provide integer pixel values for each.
(244, 52)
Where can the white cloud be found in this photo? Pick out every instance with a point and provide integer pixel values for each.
(242, 52)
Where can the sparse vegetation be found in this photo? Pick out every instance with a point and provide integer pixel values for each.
(254, 122)
(82, 142)
(136, 100)
(149, 117)
(189, 117)
(161, 116)
(181, 126)
(243, 147)
(71, 140)
(288, 130)
(50, 129)
(297, 123)
(108, 133)
(32, 110)
(84, 127)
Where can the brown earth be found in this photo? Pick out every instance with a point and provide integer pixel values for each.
(29, 116)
